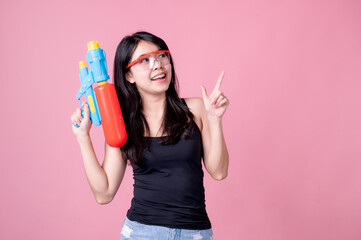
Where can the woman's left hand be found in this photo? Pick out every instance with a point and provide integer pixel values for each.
(216, 103)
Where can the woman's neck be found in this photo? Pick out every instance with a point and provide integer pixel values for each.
(154, 105)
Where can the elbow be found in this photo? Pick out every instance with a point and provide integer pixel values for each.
(102, 200)
(220, 176)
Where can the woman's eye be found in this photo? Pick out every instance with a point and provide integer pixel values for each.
(144, 60)
(162, 55)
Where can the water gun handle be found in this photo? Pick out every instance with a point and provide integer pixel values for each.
(82, 114)
(87, 80)
(93, 106)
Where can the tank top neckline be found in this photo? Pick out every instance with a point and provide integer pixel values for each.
(192, 121)
(156, 137)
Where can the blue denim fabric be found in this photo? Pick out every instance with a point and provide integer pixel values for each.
(133, 230)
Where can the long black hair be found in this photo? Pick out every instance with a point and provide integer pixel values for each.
(176, 118)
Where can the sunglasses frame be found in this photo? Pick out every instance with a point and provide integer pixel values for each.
(143, 56)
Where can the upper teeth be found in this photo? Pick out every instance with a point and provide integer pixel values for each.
(159, 76)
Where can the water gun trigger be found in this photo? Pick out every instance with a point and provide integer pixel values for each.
(75, 125)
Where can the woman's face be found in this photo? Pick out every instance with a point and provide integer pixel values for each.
(149, 80)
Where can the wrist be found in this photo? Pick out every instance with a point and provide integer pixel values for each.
(82, 137)
(214, 119)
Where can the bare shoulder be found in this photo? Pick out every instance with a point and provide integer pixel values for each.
(196, 106)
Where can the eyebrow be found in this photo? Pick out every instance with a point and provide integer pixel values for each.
(148, 53)
(142, 55)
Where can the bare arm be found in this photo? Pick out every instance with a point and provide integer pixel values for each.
(105, 179)
(216, 159)
(208, 113)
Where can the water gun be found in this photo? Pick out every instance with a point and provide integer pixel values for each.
(103, 101)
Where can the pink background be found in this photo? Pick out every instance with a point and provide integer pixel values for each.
(293, 128)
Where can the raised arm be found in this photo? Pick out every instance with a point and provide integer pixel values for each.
(208, 114)
(105, 179)
(215, 157)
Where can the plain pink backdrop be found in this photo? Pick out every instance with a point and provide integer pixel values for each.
(293, 128)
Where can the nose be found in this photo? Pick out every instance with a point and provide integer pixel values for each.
(156, 64)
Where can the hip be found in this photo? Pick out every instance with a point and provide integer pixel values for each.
(134, 230)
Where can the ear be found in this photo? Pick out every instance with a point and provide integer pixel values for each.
(129, 77)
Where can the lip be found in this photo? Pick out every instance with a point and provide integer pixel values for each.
(158, 74)
(159, 80)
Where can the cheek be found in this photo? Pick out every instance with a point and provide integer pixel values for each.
(141, 76)
(169, 72)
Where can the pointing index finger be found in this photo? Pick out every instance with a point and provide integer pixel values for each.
(219, 81)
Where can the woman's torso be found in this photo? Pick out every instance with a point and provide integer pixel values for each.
(169, 190)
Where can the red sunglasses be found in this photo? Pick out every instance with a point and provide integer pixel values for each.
(144, 56)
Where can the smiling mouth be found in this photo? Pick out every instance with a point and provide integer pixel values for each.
(159, 77)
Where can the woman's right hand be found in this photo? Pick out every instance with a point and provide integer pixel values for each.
(83, 122)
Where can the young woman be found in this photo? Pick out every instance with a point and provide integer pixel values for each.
(167, 137)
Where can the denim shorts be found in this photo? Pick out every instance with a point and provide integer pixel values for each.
(137, 231)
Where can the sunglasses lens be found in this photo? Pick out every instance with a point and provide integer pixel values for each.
(147, 62)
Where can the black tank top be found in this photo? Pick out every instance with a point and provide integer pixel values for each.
(168, 190)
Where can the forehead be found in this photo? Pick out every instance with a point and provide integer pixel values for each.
(144, 47)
